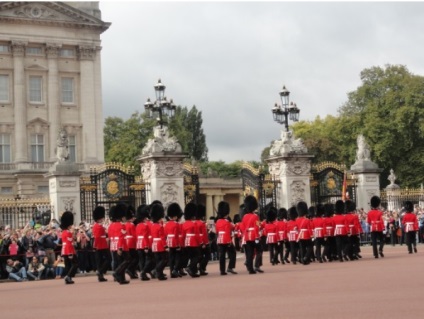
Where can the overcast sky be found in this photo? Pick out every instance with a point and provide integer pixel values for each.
(231, 59)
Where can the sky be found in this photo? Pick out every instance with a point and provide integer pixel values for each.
(231, 60)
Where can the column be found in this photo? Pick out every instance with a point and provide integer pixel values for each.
(99, 106)
(88, 108)
(20, 112)
(209, 205)
(53, 101)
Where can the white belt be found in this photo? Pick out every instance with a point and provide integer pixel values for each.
(319, 228)
(127, 237)
(157, 239)
(221, 232)
(140, 237)
(171, 236)
(339, 226)
(115, 237)
(271, 234)
(251, 228)
(190, 235)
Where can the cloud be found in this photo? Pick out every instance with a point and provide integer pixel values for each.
(231, 59)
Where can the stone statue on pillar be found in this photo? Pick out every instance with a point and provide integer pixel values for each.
(62, 146)
(161, 142)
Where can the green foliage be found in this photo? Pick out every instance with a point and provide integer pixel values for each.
(222, 169)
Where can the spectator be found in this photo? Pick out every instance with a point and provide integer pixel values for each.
(16, 270)
(59, 266)
(47, 243)
(49, 271)
(35, 269)
(13, 248)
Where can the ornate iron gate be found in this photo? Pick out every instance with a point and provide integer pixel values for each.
(327, 183)
(260, 185)
(108, 184)
(191, 184)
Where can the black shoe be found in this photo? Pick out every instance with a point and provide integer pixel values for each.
(203, 273)
(115, 278)
(287, 260)
(124, 282)
(144, 277)
(223, 273)
(162, 277)
(252, 272)
(346, 258)
(192, 274)
(259, 270)
(381, 254)
(182, 273)
(102, 279)
(174, 274)
(132, 275)
(415, 250)
(230, 270)
(69, 281)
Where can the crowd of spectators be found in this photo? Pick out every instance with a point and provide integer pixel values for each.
(33, 252)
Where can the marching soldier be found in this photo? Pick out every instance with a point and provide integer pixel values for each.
(318, 225)
(158, 242)
(224, 230)
(130, 237)
(354, 229)
(68, 250)
(271, 235)
(142, 232)
(304, 238)
(204, 248)
(375, 220)
(340, 230)
(100, 244)
(292, 233)
(191, 236)
(172, 234)
(410, 226)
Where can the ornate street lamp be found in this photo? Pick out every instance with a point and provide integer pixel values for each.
(161, 107)
(286, 110)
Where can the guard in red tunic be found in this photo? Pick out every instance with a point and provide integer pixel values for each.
(142, 232)
(375, 220)
(172, 234)
(224, 230)
(282, 236)
(204, 247)
(318, 225)
(100, 244)
(131, 239)
(340, 230)
(354, 229)
(292, 233)
(304, 226)
(68, 249)
(118, 244)
(410, 226)
(158, 243)
(191, 237)
(271, 234)
(330, 249)
(250, 228)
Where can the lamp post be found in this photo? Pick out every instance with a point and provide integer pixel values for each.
(286, 110)
(161, 107)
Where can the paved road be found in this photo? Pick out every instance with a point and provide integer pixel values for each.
(389, 287)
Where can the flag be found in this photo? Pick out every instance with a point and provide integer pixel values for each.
(345, 196)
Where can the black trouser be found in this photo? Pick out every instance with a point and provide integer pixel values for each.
(273, 253)
(341, 241)
(132, 266)
(377, 235)
(330, 248)
(174, 259)
(71, 265)
(205, 253)
(148, 260)
(160, 260)
(288, 249)
(294, 247)
(305, 247)
(224, 249)
(319, 243)
(193, 258)
(122, 262)
(102, 260)
(411, 240)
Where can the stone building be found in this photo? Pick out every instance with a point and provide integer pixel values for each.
(50, 78)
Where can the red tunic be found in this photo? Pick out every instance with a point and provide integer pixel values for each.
(318, 225)
(354, 227)
(375, 220)
(190, 233)
(304, 225)
(340, 225)
(250, 227)
(223, 230)
(67, 243)
(158, 237)
(172, 234)
(130, 236)
(329, 226)
(410, 222)
(99, 235)
(203, 232)
(142, 232)
(270, 231)
(292, 230)
(281, 230)
(116, 234)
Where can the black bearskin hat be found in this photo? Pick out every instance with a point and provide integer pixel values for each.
(339, 207)
(409, 207)
(302, 208)
(350, 206)
(329, 209)
(66, 220)
(129, 214)
(190, 211)
(237, 218)
(142, 213)
(250, 204)
(117, 212)
(174, 210)
(375, 201)
(271, 214)
(98, 213)
(282, 214)
(311, 211)
(293, 213)
(157, 212)
(320, 211)
(201, 212)
(223, 209)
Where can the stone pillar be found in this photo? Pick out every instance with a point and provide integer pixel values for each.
(367, 175)
(99, 105)
(209, 204)
(64, 190)
(19, 102)
(290, 164)
(88, 115)
(53, 101)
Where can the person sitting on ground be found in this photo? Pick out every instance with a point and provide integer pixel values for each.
(16, 270)
(35, 269)
(59, 266)
(49, 271)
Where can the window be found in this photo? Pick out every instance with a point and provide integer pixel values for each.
(4, 148)
(37, 148)
(4, 48)
(6, 190)
(4, 88)
(67, 53)
(72, 148)
(67, 90)
(43, 189)
(34, 51)
(35, 87)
